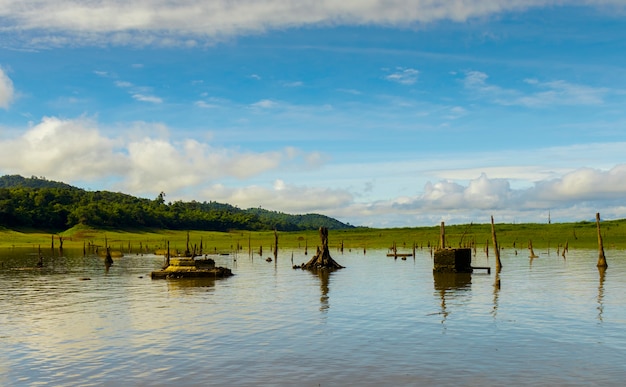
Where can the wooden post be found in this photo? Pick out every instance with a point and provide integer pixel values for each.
(187, 251)
(275, 245)
(442, 236)
(530, 247)
(108, 261)
(495, 245)
(601, 258)
(40, 260)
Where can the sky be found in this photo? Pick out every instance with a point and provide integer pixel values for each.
(379, 113)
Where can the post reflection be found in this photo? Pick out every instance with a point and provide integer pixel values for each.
(602, 272)
(189, 283)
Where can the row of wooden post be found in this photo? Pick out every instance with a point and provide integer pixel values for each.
(601, 257)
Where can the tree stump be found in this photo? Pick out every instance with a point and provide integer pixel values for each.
(322, 258)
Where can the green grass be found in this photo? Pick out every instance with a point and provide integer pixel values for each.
(577, 235)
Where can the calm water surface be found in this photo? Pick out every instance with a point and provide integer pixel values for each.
(379, 321)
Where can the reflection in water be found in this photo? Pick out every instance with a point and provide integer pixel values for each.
(450, 283)
(190, 283)
(324, 276)
(602, 271)
(496, 292)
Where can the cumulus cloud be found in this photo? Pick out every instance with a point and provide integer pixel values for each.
(480, 193)
(186, 22)
(143, 161)
(6, 90)
(585, 184)
(65, 149)
(284, 197)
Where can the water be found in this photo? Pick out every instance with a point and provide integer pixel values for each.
(379, 321)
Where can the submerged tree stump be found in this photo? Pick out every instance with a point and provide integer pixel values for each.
(322, 258)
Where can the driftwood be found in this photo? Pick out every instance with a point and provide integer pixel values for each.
(322, 258)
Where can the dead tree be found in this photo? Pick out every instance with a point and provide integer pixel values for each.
(322, 258)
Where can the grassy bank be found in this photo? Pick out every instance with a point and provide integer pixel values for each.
(576, 235)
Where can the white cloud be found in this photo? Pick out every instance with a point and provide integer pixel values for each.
(147, 98)
(186, 22)
(582, 187)
(284, 197)
(403, 76)
(6, 90)
(65, 149)
(143, 161)
(293, 84)
(264, 104)
(557, 92)
(123, 84)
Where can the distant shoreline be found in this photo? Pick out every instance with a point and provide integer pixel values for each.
(510, 236)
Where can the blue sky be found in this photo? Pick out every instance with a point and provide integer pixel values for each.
(377, 113)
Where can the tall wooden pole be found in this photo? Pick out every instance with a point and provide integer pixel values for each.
(495, 245)
(601, 257)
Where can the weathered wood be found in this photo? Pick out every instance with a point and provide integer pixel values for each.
(442, 236)
(108, 260)
(530, 247)
(495, 245)
(275, 245)
(322, 258)
(601, 257)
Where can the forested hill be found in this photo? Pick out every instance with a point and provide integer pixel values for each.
(49, 205)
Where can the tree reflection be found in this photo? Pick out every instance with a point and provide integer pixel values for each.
(602, 272)
(496, 292)
(324, 276)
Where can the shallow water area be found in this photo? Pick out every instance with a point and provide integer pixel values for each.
(378, 321)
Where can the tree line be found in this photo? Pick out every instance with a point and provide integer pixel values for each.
(47, 205)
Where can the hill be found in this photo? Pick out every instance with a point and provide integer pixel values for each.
(14, 181)
(43, 204)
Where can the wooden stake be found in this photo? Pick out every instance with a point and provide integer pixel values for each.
(601, 258)
(530, 247)
(442, 236)
(495, 245)
(275, 245)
